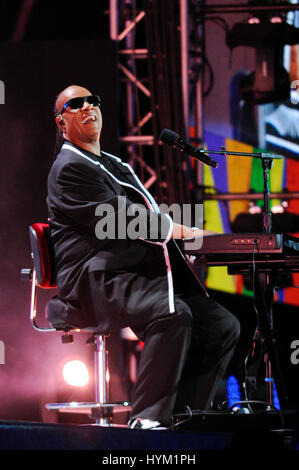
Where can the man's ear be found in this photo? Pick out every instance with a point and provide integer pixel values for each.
(59, 121)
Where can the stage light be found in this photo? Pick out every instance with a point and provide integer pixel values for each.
(232, 391)
(75, 373)
(278, 209)
(269, 82)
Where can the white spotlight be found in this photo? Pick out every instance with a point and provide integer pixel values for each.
(75, 373)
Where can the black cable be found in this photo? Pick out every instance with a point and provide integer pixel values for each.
(211, 76)
(260, 402)
(253, 402)
(186, 420)
(206, 64)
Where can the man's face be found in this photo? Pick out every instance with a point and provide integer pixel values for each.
(79, 125)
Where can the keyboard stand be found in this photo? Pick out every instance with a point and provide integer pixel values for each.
(264, 280)
(264, 285)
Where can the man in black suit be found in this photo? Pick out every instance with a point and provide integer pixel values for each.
(142, 282)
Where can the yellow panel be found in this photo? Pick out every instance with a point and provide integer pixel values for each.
(239, 175)
(212, 215)
(276, 179)
(217, 277)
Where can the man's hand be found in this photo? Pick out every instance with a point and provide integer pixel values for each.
(182, 231)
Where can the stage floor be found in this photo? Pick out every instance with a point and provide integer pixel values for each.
(203, 433)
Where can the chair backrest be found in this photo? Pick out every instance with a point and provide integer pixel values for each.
(42, 254)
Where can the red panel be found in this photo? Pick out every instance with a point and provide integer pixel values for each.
(291, 295)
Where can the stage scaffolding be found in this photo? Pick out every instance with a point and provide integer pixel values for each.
(153, 60)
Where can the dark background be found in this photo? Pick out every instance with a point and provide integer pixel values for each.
(33, 74)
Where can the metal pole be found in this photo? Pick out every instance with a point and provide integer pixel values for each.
(100, 374)
(249, 196)
(113, 17)
(212, 9)
(185, 63)
(199, 103)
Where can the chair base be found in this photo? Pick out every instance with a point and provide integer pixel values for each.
(101, 412)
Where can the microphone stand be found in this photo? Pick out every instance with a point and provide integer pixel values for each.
(264, 283)
(267, 163)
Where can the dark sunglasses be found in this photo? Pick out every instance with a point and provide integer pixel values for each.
(77, 103)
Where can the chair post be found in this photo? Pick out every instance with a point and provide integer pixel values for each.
(101, 375)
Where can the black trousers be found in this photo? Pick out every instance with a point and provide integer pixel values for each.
(184, 357)
(185, 354)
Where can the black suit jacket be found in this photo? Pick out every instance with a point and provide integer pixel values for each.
(79, 184)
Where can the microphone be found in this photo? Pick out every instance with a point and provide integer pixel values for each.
(174, 140)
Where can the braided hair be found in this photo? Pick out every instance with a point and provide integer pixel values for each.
(59, 140)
